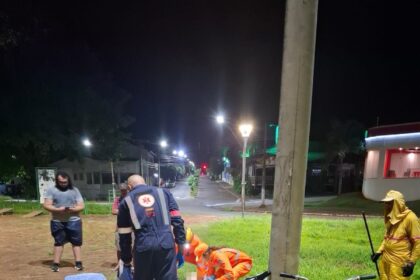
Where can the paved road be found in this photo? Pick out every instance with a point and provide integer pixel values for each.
(209, 195)
(213, 197)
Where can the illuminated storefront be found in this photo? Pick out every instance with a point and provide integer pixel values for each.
(393, 161)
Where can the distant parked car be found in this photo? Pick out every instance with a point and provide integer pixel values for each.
(2, 188)
(14, 189)
(170, 184)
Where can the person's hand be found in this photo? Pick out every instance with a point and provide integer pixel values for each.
(181, 248)
(408, 269)
(180, 259)
(375, 256)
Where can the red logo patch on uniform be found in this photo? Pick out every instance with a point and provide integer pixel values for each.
(150, 212)
(146, 200)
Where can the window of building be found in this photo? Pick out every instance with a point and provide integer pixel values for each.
(124, 176)
(402, 163)
(89, 178)
(96, 177)
(106, 177)
(371, 165)
(316, 171)
(75, 176)
(81, 177)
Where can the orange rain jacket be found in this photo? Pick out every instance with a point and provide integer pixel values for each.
(228, 264)
(189, 253)
(189, 256)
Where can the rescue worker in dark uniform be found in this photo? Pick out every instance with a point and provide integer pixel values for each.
(150, 212)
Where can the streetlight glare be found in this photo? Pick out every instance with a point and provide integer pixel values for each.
(175, 152)
(220, 119)
(245, 129)
(86, 142)
(163, 144)
(181, 153)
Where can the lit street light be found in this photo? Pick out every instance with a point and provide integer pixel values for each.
(220, 119)
(163, 144)
(245, 130)
(86, 142)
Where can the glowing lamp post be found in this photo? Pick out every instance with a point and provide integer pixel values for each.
(86, 142)
(220, 119)
(245, 130)
(163, 144)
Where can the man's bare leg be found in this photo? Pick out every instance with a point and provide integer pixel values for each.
(58, 252)
(77, 253)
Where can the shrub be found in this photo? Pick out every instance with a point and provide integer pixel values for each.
(193, 182)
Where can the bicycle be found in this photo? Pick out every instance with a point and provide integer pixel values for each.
(265, 274)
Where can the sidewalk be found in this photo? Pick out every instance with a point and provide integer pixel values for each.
(253, 205)
(253, 202)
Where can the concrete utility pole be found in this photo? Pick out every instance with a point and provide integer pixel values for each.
(113, 179)
(292, 148)
(263, 180)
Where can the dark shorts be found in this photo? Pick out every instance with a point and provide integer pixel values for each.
(64, 232)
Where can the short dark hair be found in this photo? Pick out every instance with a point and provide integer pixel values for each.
(63, 175)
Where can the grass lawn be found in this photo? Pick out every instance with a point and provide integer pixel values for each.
(23, 207)
(330, 248)
(354, 203)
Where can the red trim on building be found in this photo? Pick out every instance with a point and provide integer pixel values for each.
(387, 162)
(394, 129)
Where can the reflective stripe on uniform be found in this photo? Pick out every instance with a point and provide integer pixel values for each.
(125, 230)
(133, 215)
(163, 206)
(237, 255)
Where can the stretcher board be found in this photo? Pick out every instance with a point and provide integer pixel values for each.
(5, 211)
(191, 276)
(33, 214)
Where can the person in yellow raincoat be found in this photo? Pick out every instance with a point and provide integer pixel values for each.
(224, 263)
(400, 248)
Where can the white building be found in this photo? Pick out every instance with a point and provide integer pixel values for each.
(393, 161)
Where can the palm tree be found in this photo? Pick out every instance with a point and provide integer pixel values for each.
(343, 138)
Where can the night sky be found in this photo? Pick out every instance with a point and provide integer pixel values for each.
(184, 61)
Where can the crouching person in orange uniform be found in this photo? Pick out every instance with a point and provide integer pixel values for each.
(224, 263)
(193, 241)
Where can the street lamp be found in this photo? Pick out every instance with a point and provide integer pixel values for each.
(86, 142)
(220, 119)
(245, 130)
(162, 145)
(181, 153)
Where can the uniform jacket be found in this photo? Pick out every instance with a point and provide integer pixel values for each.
(401, 242)
(228, 264)
(153, 213)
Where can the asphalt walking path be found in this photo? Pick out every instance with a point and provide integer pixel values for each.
(219, 199)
